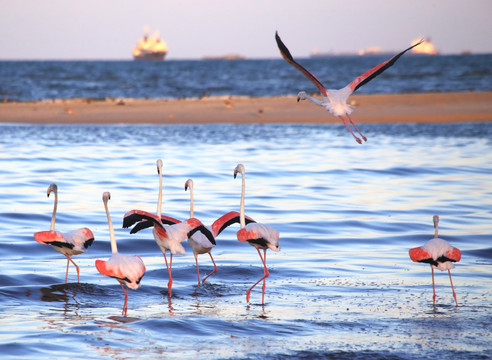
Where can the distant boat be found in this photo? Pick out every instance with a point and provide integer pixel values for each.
(426, 48)
(225, 57)
(150, 47)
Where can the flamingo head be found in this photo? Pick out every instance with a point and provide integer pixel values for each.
(51, 188)
(159, 166)
(301, 96)
(239, 169)
(188, 184)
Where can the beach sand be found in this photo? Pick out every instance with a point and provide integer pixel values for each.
(427, 107)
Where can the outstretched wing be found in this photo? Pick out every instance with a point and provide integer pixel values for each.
(144, 224)
(288, 57)
(137, 216)
(227, 220)
(204, 230)
(377, 70)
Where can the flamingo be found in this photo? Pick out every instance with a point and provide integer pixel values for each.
(335, 101)
(168, 237)
(199, 243)
(258, 235)
(71, 243)
(439, 254)
(128, 270)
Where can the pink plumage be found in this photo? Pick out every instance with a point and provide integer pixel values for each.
(70, 243)
(167, 237)
(439, 254)
(335, 101)
(258, 235)
(128, 270)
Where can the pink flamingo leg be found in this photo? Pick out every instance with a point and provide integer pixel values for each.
(266, 273)
(356, 128)
(169, 271)
(213, 272)
(349, 129)
(265, 270)
(452, 288)
(198, 270)
(66, 273)
(433, 288)
(125, 305)
(76, 267)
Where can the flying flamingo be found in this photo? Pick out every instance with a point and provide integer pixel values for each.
(439, 254)
(71, 243)
(168, 237)
(335, 101)
(258, 235)
(128, 270)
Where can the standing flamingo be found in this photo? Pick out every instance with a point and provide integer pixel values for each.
(168, 237)
(335, 101)
(71, 243)
(439, 254)
(258, 235)
(128, 270)
(199, 243)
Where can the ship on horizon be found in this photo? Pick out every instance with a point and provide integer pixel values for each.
(150, 48)
(426, 48)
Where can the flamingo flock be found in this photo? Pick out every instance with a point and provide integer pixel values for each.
(170, 233)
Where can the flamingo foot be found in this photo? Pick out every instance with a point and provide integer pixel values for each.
(349, 129)
(356, 128)
(213, 272)
(206, 277)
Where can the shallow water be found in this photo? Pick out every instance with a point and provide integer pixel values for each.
(342, 286)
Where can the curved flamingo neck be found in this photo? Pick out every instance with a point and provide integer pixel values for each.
(159, 200)
(112, 238)
(242, 220)
(53, 188)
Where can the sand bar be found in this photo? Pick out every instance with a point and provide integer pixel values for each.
(427, 107)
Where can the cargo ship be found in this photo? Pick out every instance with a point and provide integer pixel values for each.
(150, 48)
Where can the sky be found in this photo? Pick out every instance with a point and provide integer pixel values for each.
(192, 29)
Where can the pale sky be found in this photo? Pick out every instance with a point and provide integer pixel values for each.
(109, 29)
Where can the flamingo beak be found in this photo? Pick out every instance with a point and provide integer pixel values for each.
(298, 98)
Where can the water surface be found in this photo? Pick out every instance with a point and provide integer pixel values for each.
(342, 286)
(43, 80)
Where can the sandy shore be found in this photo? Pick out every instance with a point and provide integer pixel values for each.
(428, 107)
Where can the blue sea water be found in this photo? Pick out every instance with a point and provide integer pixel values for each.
(342, 286)
(41, 80)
